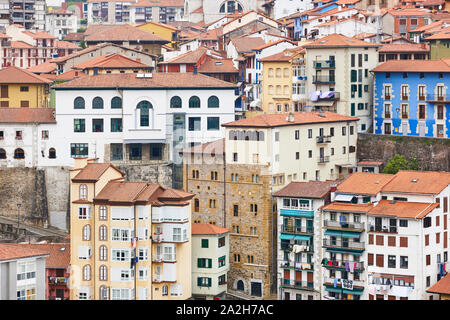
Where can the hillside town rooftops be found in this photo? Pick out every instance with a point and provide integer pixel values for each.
(14, 74)
(364, 183)
(27, 115)
(441, 65)
(309, 189)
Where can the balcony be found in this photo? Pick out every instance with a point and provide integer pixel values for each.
(323, 159)
(383, 228)
(157, 278)
(387, 97)
(343, 264)
(343, 244)
(323, 139)
(327, 281)
(357, 226)
(405, 115)
(169, 257)
(297, 230)
(387, 115)
(157, 258)
(323, 80)
(297, 265)
(286, 283)
(57, 280)
(438, 98)
(288, 247)
(158, 237)
(324, 64)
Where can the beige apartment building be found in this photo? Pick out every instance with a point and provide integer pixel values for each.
(129, 240)
(234, 178)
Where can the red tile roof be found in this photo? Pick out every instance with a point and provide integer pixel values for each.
(17, 75)
(39, 35)
(310, 189)
(190, 57)
(442, 286)
(161, 3)
(364, 183)
(20, 45)
(424, 182)
(69, 75)
(280, 119)
(442, 65)
(247, 44)
(370, 163)
(59, 253)
(124, 32)
(285, 55)
(9, 251)
(114, 60)
(348, 207)
(157, 24)
(66, 45)
(46, 67)
(441, 35)
(212, 65)
(408, 12)
(93, 172)
(405, 47)
(74, 36)
(337, 41)
(273, 43)
(207, 229)
(402, 209)
(158, 80)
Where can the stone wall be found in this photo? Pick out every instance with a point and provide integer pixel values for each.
(153, 173)
(433, 154)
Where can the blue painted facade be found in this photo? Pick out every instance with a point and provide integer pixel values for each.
(412, 122)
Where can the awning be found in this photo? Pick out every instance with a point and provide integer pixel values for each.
(287, 236)
(336, 290)
(325, 103)
(353, 292)
(296, 213)
(343, 251)
(345, 234)
(255, 103)
(126, 141)
(344, 197)
(302, 237)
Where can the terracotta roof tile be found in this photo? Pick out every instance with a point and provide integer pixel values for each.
(425, 182)
(405, 47)
(74, 36)
(348, 207)
(59, 253)
(188, 57)
(442, 286)
(442, 65)
(443, 34)
(280, 119)
(310, 189)
(124, 32)
(212, 65)
(27, 115)
(337, 40)
(93, 172)
(273, 43)
(408, 12)
(370, 163)
(46, 67)
(247, 44)
(285, 55)
(158, 80)
(66, 45)
(121, 191)
(156, 23)
(69, 75)
(17, 75)
(9, 251)
(39, 35)
(160, 3)
(364, 183)
(207, 229)
(402, 209)
(111, 61)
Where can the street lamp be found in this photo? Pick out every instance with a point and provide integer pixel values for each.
(18, 216)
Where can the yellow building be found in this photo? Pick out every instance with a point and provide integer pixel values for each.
(164, 31)
(129, 240)
(283, 82)
(23, 89)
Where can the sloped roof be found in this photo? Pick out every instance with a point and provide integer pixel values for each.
(207, 229)
(364, 183)
(59, 253)
(27, 115)
(404, 47)
(66, 45)
(247, 44)
(280, 119)
(442, 286)
(9, 251)
(442, 65)
(74, 36)
(402, 209)
(21, 45)
(39, 35)
(114, 60)
(443, 34)
(424, 182)
(212, 65)
(124, 32)
(337, 40)
(158, 80)
(310, 189)
(93, 172)
(188, 57)
(348, 207)
(17, 75)
(46, 67)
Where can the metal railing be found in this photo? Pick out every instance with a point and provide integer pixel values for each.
(323, 159)
(295, 229)
(383, 228)
(323, 79)
(297, 265)
(340, 243)
(438, 97)
(323, 139)
(298, 284)
(357, 283)
(345, 225)
(324, 64)
(342, 264)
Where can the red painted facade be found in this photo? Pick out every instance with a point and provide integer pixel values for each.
(57, 284)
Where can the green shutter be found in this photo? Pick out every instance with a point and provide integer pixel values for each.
(354, 75)
(352, 109)
(209, 282)
(199, 263)
(209, 263)
(199, 282)
(205, 243)
(359, 90)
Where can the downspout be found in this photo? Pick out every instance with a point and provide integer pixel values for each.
(224, 189)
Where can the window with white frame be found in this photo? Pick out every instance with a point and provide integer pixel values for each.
(84, 252)
(103, 273)
(83, 191)
(122, 294)
(87, 232)
(120, 255)
(126, 275)
(103, 213)
(143, 253)
(103, 253)
(84, 293)
(102, 233)
(87, 272)
(176, 234)
(143, 274)
(119, 234)
(84, 213)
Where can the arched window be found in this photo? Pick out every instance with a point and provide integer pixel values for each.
(230, 7)
(78, 103)
(19, 154)
(175, 102)
(103, 253)
(2, 153)
(278, 73)
(116, 103)
(97, 103)
(102, 233)
(144, 108)
(104, 292)
(194, 102)
(83, 191)
(103, 213)
(213, 102)
(240, 285)
(87, 272)
(270, 72)
(87, 232)
(103, 273)
(52, 153)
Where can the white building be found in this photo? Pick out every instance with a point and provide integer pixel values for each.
(137, 117)
(27, 137)
(59, 23)
(210, 261)
(283, 8)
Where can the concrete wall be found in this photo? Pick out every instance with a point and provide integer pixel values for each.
(433, 154)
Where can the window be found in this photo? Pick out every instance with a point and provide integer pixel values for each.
(221, 242)
(78, 150)
(344, 131)
(204, 263)
(205, 243)
(87, 272)
(78, 103)
(79, 125)
(391, 262)
(97, 125)
(116, 125)
(175, 102)
(213, 102)
(204, 282)
(19, 154)
(102, 233)
(194, 102)
(297, 134)
(213, 123)
(403, 262)
(403, 223)
(2, 153)
(428, 259)
(87, 233)
(194, 123)
(103, 273)
(235, 157)
(427, 222)
(235, 210)
(23, 89)
(144, 117)
(97, 103)
(116, 103)
(380, 260)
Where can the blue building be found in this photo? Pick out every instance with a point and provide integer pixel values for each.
(412, 98)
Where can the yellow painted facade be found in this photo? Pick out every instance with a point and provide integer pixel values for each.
(106, 272)
(160, 30)
(25, 95)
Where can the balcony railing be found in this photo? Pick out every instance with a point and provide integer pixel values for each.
(324, 64)
(297, 265)
(405, 115)
(323, 159)
(345, 264)
(438, 97)
(323, 139)
(346, 244)
(295, 229)
(297, 284)
(157, 278)
(57, 280)
(387, 97)
(169, 257)
(357, 283)
(157, 258)
(344, 225)
(323, 79)
(288, 247)
(387, 229)
(157, 237)
(387, 115)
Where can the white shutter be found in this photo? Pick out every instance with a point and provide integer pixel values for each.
(115, 274)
